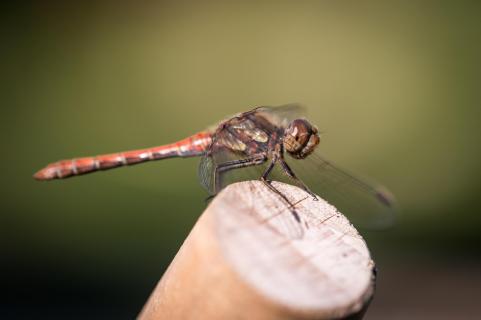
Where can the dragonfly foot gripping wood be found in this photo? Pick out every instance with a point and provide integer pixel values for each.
(248, 258)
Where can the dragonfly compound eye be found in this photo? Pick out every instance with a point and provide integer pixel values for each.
(300, 138)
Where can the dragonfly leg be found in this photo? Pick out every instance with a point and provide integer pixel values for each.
(235, 164)
(275, 190)
(292, 175)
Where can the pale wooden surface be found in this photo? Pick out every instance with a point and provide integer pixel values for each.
(248, 258)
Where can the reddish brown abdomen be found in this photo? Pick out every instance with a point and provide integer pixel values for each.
(192, 146)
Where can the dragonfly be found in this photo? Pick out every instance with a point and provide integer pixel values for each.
(264, 143)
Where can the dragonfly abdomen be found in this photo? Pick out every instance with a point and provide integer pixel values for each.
(189, 147)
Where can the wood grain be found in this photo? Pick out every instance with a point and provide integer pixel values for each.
(248, 258)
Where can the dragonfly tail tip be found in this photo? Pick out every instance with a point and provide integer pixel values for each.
(45, 174)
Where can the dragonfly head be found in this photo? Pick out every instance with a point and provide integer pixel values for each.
(300, 138)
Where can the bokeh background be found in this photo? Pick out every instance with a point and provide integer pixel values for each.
(395, 86)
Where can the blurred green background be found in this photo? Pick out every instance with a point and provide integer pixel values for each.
(395, 86)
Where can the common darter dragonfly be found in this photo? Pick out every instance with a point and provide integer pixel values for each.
(255, 143)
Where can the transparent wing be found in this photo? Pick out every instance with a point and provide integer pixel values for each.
(208, 164)
(282, 115)
(206, 173)
(366, 204)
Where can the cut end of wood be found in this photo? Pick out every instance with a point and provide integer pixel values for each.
(249, 257)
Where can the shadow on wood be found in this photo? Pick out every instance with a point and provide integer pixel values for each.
(248, 258)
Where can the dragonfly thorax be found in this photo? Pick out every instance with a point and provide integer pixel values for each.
(300, 138)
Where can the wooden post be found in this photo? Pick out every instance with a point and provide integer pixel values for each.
(248, 258)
